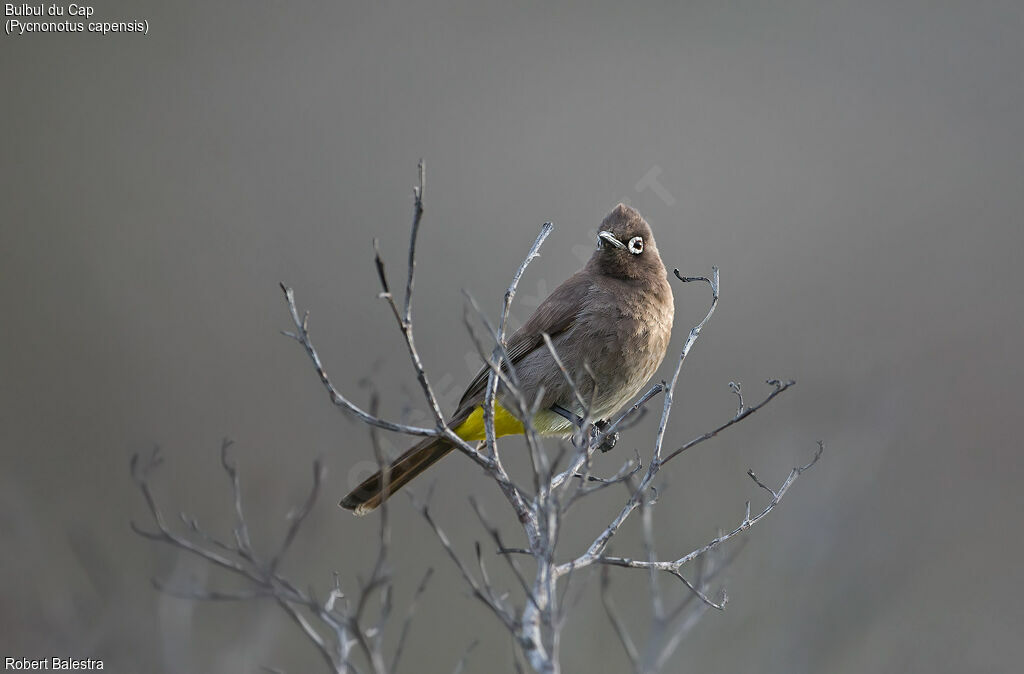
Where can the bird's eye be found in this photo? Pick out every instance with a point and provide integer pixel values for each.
(636, 245)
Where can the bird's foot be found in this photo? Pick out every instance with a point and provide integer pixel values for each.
(609, 440)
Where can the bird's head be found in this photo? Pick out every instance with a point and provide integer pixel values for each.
(625, 246)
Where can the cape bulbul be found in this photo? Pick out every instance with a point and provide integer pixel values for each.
(610, 323)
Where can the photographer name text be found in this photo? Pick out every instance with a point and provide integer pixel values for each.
(54, 663)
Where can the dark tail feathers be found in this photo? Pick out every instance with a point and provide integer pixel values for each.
(375, 489)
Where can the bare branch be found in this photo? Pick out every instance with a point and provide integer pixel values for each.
(408, 618)
(313, 635)
(301, 335)
(617, 623)
(737, 388)
(417, 194)
(708, 567)
(703, 597)
(687, 345)
(482, 592)
(299, 516)
(748, 521)
(332, 626)
(210, 595)
(573, 470)
(584, 406)
(626, 473)
(534, 252)
(141, 474)
(637, 407)
(461, 664)
(405, 321)
(522, 511)
(496, 537)
(743, 413)
(241, 528)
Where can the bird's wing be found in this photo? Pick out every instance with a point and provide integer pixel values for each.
(555, 315)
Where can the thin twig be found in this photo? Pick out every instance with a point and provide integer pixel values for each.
(481, 592)
(584, 406)
(460, 666)
(748, 521)
(331, 626)
(408, 618)
(301, 335)
(526, 517)
(572, 470)
(617, 623)
(417, 194)
(496, 537)
(300, 516)
(744, 412)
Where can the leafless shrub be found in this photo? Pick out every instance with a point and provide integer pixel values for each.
(535, 622)
(339, 626)
(559, 480)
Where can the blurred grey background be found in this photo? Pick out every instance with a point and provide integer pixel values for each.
(854, 168)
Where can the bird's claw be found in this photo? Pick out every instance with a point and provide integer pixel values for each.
(609, 440)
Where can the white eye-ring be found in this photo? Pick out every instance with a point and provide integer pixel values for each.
(636, 245)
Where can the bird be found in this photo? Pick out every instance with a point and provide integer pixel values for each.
(610, 324)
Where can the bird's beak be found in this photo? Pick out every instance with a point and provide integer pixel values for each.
(605, 235)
